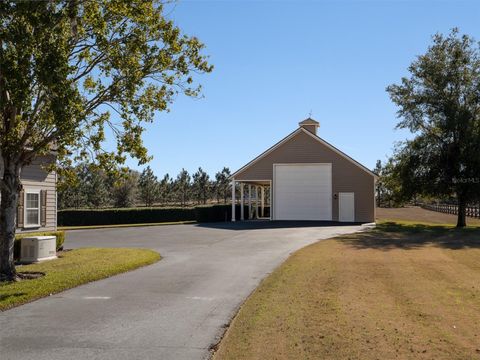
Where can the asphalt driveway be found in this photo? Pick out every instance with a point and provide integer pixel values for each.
(174, 309)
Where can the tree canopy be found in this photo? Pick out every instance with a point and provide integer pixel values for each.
(66, 66)
(440, 104)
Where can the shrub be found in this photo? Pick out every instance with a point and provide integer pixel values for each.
(60, 235)
(218, 213)
(213, 213)
(124, 216)
(90, 217)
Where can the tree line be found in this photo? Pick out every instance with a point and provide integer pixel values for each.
(89, 186)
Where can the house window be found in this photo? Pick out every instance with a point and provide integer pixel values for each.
(32, 209)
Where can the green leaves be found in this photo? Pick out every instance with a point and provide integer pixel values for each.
(440, 104)
(66, 65)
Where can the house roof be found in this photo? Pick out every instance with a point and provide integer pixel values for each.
(316, 137)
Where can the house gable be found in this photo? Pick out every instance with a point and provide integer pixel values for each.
(301, 146)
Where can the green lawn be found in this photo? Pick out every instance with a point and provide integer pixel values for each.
(401, 291)
(71, 269)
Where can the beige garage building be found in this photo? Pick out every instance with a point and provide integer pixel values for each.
(303, 177)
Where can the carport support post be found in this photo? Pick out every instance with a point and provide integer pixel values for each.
(256, 202)
(263, 201)
(242, 210)
(233, 199)
(249, 201)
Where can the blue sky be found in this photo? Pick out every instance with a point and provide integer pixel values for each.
(275, 61)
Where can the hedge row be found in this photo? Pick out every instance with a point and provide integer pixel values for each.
(89, 217)
(60, 235)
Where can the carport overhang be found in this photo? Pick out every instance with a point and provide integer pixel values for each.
(257, 201)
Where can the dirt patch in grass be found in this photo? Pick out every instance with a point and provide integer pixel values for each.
(416, 214)
(398, 292)
(71, 269)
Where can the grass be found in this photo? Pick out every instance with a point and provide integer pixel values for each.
(64, 228)
(415, 214)
(72, 269)
(403, 290)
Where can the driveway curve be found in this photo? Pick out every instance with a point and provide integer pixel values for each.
(174, 309)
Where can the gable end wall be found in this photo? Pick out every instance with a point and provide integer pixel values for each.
(346, 176)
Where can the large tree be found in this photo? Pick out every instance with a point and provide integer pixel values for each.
(97, 187)
(125, 189)
(166, 189)
(65, 66)
(87, 185)
(72, 192)
(182, 187)
(201, 186)
(440, 104)
(149, 187)
(379, 187)
(222, 184)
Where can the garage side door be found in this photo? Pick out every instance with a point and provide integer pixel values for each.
(303, 192)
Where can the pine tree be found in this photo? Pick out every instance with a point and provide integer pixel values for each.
(149, 187)
(95, 187)
(222, 184)
(183, 187)
(165, 189)
(126, 189)
(201, 186)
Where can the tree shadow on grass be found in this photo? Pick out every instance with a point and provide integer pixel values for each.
(391, 235)
(4, 297)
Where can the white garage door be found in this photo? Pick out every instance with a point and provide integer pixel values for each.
(302, 192)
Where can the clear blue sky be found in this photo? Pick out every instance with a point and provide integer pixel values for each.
(277, 60)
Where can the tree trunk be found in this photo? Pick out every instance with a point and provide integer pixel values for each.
(10, 188)
(461, 214)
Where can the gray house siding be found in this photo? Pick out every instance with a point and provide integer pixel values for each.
(35, 178)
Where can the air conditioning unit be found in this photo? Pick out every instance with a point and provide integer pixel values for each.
(38, 248)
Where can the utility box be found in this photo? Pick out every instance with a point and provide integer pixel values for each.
(38, 248)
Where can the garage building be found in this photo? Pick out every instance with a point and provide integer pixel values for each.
(303, 177)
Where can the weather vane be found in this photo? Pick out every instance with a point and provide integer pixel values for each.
(310, 114)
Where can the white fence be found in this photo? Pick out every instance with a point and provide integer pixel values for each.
(471, 211)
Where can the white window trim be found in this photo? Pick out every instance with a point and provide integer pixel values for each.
(31, 191)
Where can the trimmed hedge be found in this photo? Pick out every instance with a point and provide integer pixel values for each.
(216, 213)
(60, 235)
(91, 217)
(88, 217)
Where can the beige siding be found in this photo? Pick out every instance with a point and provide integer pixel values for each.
(346, 176)
(311, 128)
(35, 177)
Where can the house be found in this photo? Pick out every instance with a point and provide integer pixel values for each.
(37, 203)
(303, 177)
